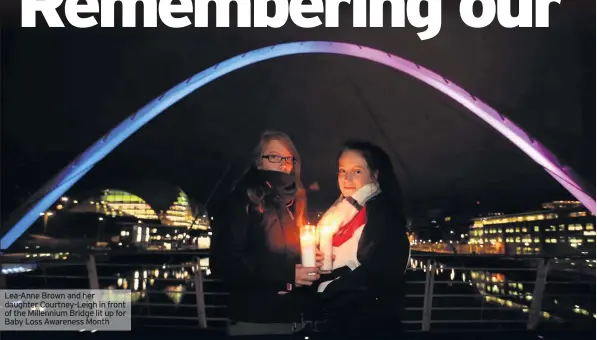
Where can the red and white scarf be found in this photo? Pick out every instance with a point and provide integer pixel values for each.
(343, 211)
(346, 232)
(348, 222)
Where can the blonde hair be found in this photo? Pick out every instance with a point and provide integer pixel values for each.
(301, 195)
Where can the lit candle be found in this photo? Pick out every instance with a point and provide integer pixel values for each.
(325, 245)
(308, 246)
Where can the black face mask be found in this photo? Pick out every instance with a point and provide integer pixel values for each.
(280, 184)
(272, 184)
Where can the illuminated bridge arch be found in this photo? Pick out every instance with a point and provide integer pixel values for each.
(52, 191)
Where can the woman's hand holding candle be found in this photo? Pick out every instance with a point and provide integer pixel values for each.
(307, 272)
(305, 276)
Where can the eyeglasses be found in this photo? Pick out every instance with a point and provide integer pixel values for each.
(278, 159)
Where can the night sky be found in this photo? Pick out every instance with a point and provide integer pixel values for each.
(62, 89)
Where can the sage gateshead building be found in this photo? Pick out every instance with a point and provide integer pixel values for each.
(148, 215)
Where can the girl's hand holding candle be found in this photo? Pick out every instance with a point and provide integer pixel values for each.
(326, 234)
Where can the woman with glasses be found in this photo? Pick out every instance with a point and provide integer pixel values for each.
(256, 246)
(363, 294)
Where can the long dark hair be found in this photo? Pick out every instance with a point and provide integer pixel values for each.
(256, 195)
(379, 162)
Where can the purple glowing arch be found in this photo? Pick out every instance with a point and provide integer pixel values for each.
(57, 186)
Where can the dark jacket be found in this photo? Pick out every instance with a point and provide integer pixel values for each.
(370, 298)
(256, 252)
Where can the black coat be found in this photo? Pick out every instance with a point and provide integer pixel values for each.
(369, 299)
(256, 253)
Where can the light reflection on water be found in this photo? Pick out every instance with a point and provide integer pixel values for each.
(512, 290)
(173, 279)
(169, 287)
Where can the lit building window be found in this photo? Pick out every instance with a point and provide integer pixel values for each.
(128, 204)
(181, 214)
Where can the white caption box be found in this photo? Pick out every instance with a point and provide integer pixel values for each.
(65, 310)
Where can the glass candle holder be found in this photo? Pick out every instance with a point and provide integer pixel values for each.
(326, 234)
(308, 245)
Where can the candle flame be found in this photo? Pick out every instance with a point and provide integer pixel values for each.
(330, 222)
(307, 237)
(308, 233)
(327, 229)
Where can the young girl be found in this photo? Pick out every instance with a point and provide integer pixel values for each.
(363, 294)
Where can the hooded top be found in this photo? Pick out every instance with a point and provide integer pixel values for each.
(255, 251)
